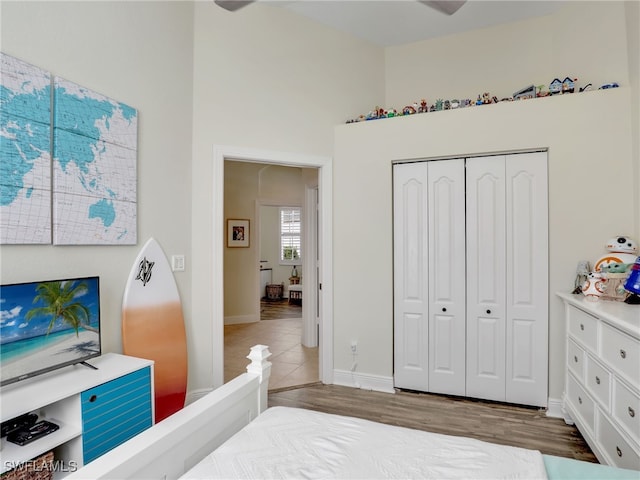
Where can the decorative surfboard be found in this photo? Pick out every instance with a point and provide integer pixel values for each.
(153, 326)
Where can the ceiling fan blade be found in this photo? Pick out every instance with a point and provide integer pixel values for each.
(448, 7)
(233, 5)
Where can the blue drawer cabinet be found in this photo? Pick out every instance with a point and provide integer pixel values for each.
(114, 412)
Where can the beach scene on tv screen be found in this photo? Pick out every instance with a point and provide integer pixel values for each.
(47, 324)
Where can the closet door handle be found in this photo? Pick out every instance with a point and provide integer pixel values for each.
(632, 412)
(597, 380)
(623, 354)
(618, 451)
(575, 358)
(582, 326)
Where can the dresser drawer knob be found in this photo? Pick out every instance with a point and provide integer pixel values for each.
(488, 312)
(618, 451)
(623, 354)
(93, 398)
(582, 326)
(580, 400)
(632, 412)
(597, 380)
(444, 309)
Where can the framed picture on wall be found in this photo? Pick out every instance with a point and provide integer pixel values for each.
(237, 233)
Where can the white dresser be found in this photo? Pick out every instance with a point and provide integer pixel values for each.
(602, 383)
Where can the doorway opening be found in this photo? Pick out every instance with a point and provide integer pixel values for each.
(271, 199)
(320, 268)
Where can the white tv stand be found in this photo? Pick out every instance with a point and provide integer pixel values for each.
(66, 397)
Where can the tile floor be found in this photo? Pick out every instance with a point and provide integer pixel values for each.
(292, 363)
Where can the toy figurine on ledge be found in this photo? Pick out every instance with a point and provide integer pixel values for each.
(606, 281)
(594, 286)
(582, 273)
(620, 249)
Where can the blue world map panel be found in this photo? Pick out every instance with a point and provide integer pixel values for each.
(94, 168)
(25, 160)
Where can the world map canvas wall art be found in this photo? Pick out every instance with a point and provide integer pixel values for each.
(94, 168)
(81, 185)
(25, 153)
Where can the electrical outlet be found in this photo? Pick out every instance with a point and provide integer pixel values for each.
(354, 346)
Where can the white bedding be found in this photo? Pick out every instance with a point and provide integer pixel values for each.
(295, 443)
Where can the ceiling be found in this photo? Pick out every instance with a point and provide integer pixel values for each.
(397, 22)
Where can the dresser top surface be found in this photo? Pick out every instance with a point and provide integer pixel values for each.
(619, 314)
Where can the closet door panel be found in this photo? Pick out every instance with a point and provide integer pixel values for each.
(410, 279)
(527, 278)
(446, 209)
(485, 358)
(486, 354)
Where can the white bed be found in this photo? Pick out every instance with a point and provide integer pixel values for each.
(295, 443)
(225, 434)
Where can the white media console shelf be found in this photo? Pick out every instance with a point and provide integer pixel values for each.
(95, 409)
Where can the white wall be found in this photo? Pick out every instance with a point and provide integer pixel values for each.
(584, 40)
(267, 79)
(596, 42)
(261, 77)
(589, 152)
(633, 40)
(139, 53)
(592, 140)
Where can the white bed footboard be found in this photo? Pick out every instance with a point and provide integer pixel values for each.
(171, 447)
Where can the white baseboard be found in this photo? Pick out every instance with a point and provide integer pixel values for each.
(378, 383)
(363, 381)
(555, 408)
(241, 319)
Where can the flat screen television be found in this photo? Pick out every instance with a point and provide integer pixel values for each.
(48, 325)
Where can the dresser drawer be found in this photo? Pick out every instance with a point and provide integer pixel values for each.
(575, 359)
(583, 327)
(622, 352)
(114, 412)
(616, 446)
(581, 402)
(598, 381)
(626, 409)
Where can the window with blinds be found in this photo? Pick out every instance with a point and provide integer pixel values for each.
(290, 235)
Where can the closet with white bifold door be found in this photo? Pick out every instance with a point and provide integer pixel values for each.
(471, 277)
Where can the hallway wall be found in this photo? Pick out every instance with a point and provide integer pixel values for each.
(264, 78)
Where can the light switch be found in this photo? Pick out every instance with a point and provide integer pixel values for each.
(177, 263)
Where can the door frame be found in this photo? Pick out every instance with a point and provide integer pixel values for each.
(311, 286)
(325, 189)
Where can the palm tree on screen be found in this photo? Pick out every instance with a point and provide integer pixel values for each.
(60, 302)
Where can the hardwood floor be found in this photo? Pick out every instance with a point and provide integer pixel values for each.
(278, 309)
(489, 421)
